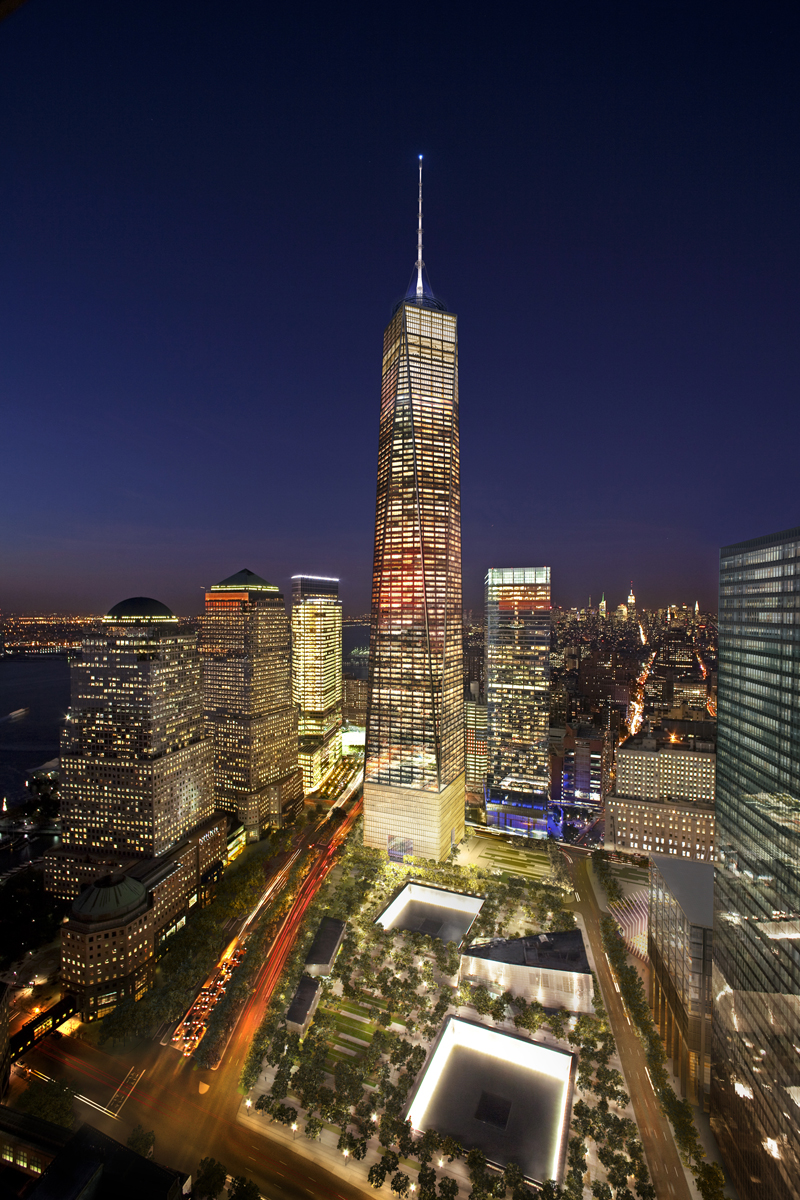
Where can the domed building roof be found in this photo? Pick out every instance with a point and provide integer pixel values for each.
(110, 896)
(140, 608)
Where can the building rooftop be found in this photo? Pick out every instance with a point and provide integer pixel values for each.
(692, 885)
(303, 1000)
(140, 608)
(91, 1163)
(110, 896)
(244, 580)
(326, 941)
(552, 951)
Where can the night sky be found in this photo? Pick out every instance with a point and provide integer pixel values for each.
(208, 210)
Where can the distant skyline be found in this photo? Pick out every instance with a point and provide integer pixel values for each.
(206, 216)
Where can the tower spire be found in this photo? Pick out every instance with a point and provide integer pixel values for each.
(419, 263)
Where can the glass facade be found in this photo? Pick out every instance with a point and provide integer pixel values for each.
(679, 947)
(518, 678)
(756, 1038)
(248, 701)
(414, 776)
(317, 674)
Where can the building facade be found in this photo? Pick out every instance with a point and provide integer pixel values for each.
(317, 674)
(679, 948)
(120, 922)
(475, 746)
(249, 710)
(755, 1086)
(580, 765)
(135, 756)
(518, 678)
(667, 768)
(638, 826)
(414, 764)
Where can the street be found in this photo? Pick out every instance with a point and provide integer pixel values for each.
(666, 1169)
(192, 1109)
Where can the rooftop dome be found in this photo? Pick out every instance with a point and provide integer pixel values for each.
(140, 608)
(110, 896)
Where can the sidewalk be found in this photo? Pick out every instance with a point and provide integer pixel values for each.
(323, 1151)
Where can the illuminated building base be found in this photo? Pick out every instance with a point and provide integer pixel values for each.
(412, 821)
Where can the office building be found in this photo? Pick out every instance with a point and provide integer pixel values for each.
(317, 674)
(518, 678)
(581, 761)
(475, 746)
(664, 797)
(755, 1085)
(135, 756)
(120, 922)
(667, 768)
(679, 946)
(246, 647)
(631, 604)
(414, 768)
(354, 701)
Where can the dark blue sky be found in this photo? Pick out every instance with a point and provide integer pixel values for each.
(207, 211)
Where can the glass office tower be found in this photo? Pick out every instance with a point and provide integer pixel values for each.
(317, 673)
(248, 702)
(518, 678)
(414, 774)
(755, 1089)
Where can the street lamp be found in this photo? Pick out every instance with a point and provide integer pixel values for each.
(374, 1116)
(345, 1152)
(294, 1129)
(248, 1102)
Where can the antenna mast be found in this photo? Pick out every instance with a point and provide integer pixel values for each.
(419, 263)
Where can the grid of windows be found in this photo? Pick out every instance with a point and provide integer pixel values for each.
(518, 677)
(246, 646)
(415, 719)
(756, 1035)
(317, 674)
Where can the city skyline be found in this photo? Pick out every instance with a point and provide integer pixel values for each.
(641, 282)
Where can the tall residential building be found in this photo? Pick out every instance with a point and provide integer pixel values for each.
(518, 677)
(248, 701)
(135, 755)
(755, 1086)
(317, 673)
(414, 769)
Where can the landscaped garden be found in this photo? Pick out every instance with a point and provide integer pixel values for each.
(387, 1000)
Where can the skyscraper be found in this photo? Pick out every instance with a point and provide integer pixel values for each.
(248, 701)
(317, 673)
(135, 756)
(755, 1086)
(518, 677)
(414, 773)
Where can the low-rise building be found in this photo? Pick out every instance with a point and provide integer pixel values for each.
(300, 1012)
(120, 922)
(325, 946)
(551, 968)
(679, 943)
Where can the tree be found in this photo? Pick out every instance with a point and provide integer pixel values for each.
(243, 1188)
(142, 1141)
(401, 1184)
(48, 1099)
(448, 1188)
(313, 1128)
(710, 1181)
(377, 1175)
(452, 1148)
(210, 1177)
